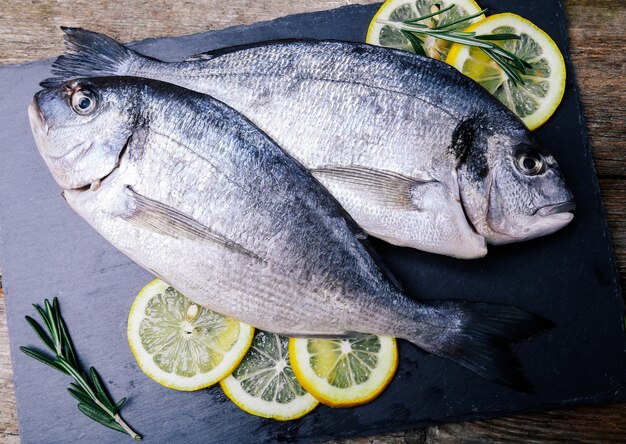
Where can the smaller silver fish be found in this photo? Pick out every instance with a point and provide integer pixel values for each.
(193, 192)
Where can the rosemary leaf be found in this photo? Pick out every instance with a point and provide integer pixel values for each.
(42, 358)
(458, 39)
(57, 320)
(54, 332)
(505, 53)
(42, 334)
(81, 397)
(416, 43)
(463, 19)
(507, 57)
(69, 348)
(432, 14)
(44, 316)
(413, 22)
(526, 64)
(513, 76)
(120, 403)
(466, 34)
(78, 388)
(497, 37)
(97, 383)
(502, 59)
(55, 307)
(98, 416)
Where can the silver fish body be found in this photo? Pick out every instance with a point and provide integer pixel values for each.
(418, 154)
(196, 194)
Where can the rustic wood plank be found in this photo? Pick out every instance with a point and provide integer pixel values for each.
(600, 62)
(29, 31)
(584, 424)
(8, 416)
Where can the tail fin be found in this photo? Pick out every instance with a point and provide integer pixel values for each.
(91, 54)
(477, 336)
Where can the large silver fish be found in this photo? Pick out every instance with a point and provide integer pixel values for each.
(195, 193)
(418, 154)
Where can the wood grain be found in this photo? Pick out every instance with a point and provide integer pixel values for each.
(8, 416)
(29, 30)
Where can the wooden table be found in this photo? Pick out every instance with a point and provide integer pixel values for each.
(29, 30)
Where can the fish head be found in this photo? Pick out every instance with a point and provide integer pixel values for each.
(520, 193)
(81, 128)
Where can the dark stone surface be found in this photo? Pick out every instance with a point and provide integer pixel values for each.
(46, 250)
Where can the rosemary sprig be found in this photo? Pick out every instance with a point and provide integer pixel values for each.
(513, 66)
(92, 398)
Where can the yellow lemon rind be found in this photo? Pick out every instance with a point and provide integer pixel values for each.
(232, 388)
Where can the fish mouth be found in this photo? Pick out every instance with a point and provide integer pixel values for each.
(38, 122)
(562, 208)
(546, 220)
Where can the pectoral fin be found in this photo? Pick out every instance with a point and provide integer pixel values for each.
(385, 188)
(156, 216)
(420, 213)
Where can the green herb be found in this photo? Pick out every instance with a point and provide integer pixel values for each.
(513, 66)
(92, 398)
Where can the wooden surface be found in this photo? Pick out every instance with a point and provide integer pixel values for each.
(29, 30)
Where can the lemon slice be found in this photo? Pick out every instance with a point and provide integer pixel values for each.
(264, 384)
(537, 99)
(386, 35)
(182, 345)
(344, 372)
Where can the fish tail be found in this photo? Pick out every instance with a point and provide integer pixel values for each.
(478, 336)
(91, 54)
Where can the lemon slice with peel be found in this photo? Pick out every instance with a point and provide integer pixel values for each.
(537, 98)
(264, 384)
(182, 345)
(381, 33)
(344, 372)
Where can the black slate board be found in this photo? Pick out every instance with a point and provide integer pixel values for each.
(569, 277)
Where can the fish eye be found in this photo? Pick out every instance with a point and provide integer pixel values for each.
(530, 163)
(83, 102)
